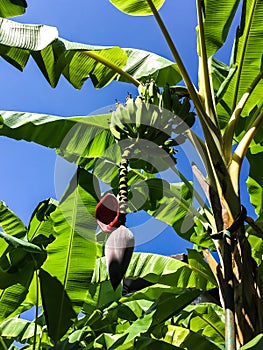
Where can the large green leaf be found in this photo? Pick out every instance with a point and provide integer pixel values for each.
(247, 58)
(255, 193)
(137, 7)
(11, 299)
(11, 224)
(170, 203)
(11, 8)
(72, 255)
(144, 343)
(186, 339)
(217, 22)
(78, 62)
(58, 318)
(40, 227)
(206, 319)
(160, 269)
(78, 138)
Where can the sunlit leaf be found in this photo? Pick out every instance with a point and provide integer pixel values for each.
(186, 339)
(217, 22)
(77, 62)
(11, 8)
(159, 269)
(206, 319)
(137, 7)
(247, 57)
(11, 224)
(71, 257)
(254, 344)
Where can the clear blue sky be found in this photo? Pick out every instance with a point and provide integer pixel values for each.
(27, 169)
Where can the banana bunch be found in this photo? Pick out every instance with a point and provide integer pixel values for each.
(150, 93)
(137, 120)
(176, 99)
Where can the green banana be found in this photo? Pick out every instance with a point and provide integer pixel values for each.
(167, 98)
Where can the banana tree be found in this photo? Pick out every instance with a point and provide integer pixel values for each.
(228, 105)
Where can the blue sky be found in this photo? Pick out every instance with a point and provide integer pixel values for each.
(27, 169)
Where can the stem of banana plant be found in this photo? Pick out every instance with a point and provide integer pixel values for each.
(113, 66)
(3, 344)
(241, 150)
(123, 181)
(230, 129)
(36, 312)
(211, 131)
(230, 333)
(208, 92)
(190, 86)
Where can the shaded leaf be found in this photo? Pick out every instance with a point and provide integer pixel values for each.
(11, 299)
(40, 229)
(254, 344)
(52, 292)
(19, 243)
(144, 343)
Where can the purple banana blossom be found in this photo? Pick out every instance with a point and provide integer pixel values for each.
(108, 213)
(118, 252)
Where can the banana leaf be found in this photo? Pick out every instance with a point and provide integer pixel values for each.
(77, 62)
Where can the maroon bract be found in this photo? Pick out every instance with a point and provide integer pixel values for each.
(108, 213)
(118, 252)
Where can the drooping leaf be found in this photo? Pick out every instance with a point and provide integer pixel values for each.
(137, 7)
(78, 139)
(52, 293)
(11, 8)
(77, 62)
(20, 243)
(159, 269)
(196, 261)
(40, 227)
(11, 299)
(10, 222)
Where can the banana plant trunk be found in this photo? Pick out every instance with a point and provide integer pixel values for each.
(240, 287)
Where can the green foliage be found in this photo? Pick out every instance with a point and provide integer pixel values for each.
(57, 263)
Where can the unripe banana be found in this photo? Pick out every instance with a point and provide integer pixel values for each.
(167, 98)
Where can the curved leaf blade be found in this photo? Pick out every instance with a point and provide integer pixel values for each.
(186, 339)
(9, 8)
(78, 139)
(77, 62)
(136, 7)
(206, 319)
(159, 269)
